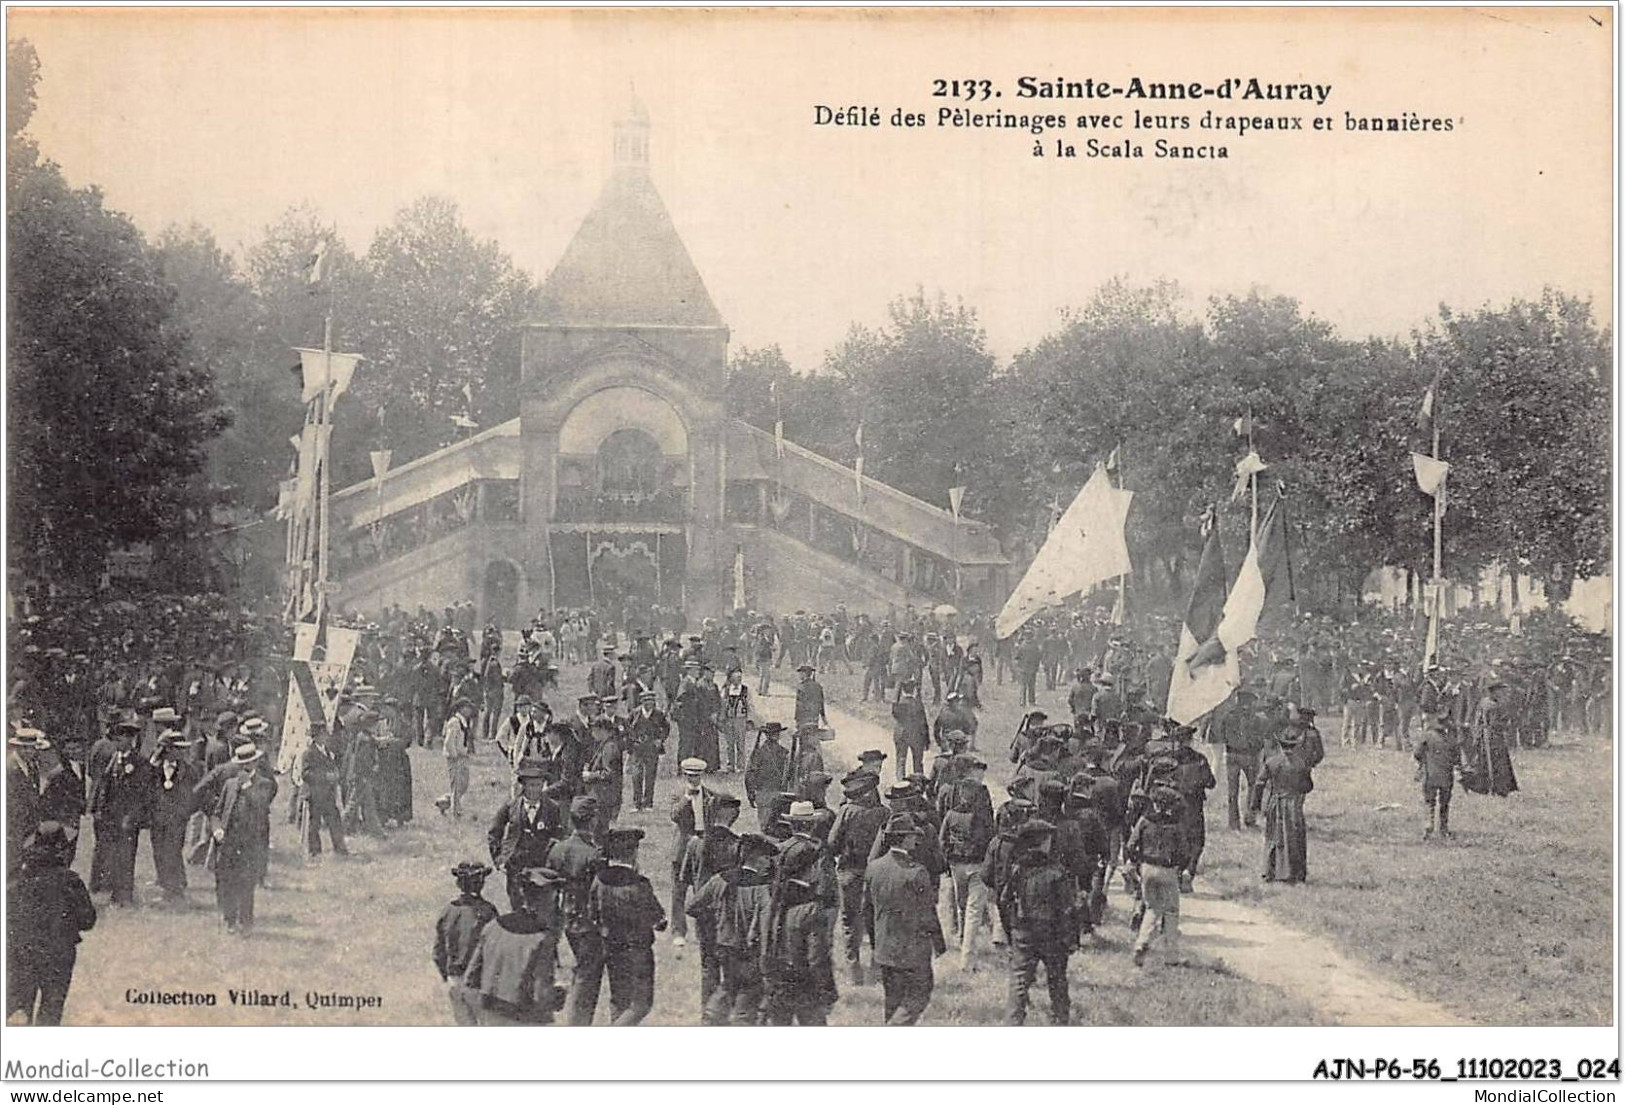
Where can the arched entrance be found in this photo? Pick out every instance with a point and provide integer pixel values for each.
(501, 595)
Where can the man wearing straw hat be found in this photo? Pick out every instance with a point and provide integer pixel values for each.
(242, 827)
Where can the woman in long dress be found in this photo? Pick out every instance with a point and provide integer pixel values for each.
(394, 769)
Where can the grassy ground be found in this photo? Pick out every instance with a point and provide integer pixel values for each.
(1509, 923)
(363, 926)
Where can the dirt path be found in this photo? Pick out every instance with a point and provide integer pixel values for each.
(1244, 939)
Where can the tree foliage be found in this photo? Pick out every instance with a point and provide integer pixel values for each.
(438, 320)
(108, 417)
(922, 387)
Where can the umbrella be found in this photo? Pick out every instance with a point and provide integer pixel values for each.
(946, 610)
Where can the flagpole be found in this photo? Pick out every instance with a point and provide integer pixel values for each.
(1252, 480)
(1120, 615)
(325, 435)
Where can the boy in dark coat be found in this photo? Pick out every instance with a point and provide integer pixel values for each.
(456, 934)
(911, 732)
(47, 908)
(623, 907)
(1437, 753)
(511, 968)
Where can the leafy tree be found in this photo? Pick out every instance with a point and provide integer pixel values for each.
(226, 334)
(1125, 370)
(1524, 409)
(438, 319)
(109, 419)
(921, 386)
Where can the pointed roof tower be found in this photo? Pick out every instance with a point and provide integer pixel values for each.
(626, 265)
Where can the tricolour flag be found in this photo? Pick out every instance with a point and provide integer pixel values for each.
(1264, 573)
(1205, 672)
(317, 369)
(1430, 473)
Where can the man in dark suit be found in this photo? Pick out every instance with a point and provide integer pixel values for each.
(120, 805)
(524, 830)
(647, 732)
(175, 773)
(907, 932)
(62, 793)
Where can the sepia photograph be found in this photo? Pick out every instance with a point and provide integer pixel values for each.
(767, 517)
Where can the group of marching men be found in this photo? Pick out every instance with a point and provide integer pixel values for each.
(775, 912)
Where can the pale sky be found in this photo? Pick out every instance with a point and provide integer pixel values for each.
(229, 116)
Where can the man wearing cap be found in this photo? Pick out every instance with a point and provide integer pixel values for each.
(706, 853)
(173, 803)
(524, 829)
(769, 769)
(454, 742)
(647, 733)
(908, 935)
(623, 908)
(857, 824)
(1038, 900)
(318, 791)
(457, 933)
(47, 909)
(602, 775)
(242, 828)
(577, 859)
(1437, 754)
(731, 905)
(510, 971)
(1159, 845)
(689, 815)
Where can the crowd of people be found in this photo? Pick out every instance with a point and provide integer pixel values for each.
(160, 716)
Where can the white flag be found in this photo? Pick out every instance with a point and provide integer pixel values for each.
(1430, 473)
(319, 264)
(1086, 546)
(956, 497)
(313, 365)
(1247, 467)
